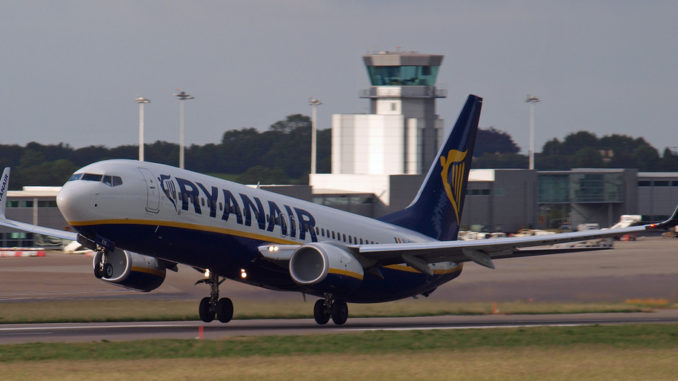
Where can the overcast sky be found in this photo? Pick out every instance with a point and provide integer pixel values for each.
(71, 69)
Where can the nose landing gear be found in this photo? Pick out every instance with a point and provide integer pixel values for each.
(330, 307)
(212, 305)
(102, 268)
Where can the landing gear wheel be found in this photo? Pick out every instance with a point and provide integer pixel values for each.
(98, 273)
(339, 312)
(205, 310)
(108, 270)
(224, 310)
(321, 313)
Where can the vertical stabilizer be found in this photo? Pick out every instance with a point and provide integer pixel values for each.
(436, 209)
(4, 185)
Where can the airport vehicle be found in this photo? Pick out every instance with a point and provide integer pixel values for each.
(144, 218)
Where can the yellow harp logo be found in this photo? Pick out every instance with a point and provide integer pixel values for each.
(453, 177)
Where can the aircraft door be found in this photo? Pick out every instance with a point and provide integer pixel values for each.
(152, 191)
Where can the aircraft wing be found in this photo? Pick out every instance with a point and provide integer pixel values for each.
(4, 184)
(418, 255)
(38, 229)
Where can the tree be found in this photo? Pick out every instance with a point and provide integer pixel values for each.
(494, 141)
(578, 140)
(260, 174)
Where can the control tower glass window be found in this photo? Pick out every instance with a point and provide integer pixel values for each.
(402, 75)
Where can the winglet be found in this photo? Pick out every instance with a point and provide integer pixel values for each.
(671, 222)
(4, 185)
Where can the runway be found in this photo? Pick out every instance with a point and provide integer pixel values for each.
(88, 332)
(647, 268)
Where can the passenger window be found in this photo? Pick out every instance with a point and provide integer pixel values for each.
(361, 241)
(344, 237)
(333, 235)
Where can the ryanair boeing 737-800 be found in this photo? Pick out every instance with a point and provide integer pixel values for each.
(143, 218)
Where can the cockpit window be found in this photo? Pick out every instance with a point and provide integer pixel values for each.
(111, 181)
(91, 177)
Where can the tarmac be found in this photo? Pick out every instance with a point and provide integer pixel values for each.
(642, 269)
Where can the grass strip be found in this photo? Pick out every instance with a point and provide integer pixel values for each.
(143, 309)
(636, 336)
(533, 363)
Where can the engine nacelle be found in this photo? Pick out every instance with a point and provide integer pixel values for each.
(132, 270)
(326, 267)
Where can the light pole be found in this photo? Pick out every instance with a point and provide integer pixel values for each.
(182, 96)
(531, 99)
(314, 103)
(141, 101)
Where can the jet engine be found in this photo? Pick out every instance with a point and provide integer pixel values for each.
(132, 270)
(327, 267)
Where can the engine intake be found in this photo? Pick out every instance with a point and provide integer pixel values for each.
(132, 270)
(326, 267)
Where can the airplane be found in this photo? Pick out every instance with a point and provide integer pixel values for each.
(143, 219)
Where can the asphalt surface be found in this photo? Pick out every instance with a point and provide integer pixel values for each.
(647, 268)
(87, 332)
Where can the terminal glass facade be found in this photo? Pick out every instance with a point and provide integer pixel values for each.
(554, 188)
(402, 75)
(581, 188)
(597, 187)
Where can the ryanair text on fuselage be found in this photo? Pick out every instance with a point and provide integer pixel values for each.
(293, 221)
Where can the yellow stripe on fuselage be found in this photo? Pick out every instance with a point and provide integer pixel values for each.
(345, 273)
(413, 270)
(180, 225)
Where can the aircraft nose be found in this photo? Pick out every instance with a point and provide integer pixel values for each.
(74, 202)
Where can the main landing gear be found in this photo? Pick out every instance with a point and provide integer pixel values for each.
(212, 305)
(330, 307)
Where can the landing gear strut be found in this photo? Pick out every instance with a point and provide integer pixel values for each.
(330, 307)
(102, 269)
(212, 305)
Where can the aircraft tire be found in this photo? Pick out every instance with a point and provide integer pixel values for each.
(97, 272)
(224, 310)
(205, 310)
(320, 313)
(339, 312)
(108, 270)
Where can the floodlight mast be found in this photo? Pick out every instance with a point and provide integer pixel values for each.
(531, 99)
(182, 96)
(141, 101)
(314, 103)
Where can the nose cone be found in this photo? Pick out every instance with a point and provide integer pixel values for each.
(75, 202)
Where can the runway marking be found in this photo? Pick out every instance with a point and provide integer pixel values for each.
(63, 328)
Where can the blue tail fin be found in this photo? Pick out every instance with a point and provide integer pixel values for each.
(436, 210)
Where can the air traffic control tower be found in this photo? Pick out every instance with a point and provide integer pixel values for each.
(386, 152)
(402, 132)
